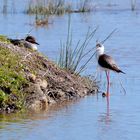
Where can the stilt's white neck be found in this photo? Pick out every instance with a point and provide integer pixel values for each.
(99, 50)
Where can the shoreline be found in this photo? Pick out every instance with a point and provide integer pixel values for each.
(44, 82)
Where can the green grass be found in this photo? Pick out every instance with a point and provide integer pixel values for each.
(4, 39)
(12, 79)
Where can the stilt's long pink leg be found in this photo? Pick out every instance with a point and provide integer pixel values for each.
(108, 85)
(108, 82)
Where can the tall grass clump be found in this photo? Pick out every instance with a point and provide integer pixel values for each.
(44, 8)
(70, 57)
(56, 7)
(47, 7)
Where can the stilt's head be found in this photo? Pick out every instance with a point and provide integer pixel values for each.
(99, 49)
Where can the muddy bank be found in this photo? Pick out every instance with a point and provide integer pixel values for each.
(41, 82)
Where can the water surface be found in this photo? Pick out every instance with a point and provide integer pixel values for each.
(86, 118)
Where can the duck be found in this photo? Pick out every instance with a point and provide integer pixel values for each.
(28, 42)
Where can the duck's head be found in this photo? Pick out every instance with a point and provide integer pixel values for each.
(31, 39)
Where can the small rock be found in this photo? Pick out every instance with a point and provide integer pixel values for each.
(36, 99)
(8, 110)
(61, 93)
(103, 94)
(42, 83)
(32, 77)
(38, 105)
(51, 101)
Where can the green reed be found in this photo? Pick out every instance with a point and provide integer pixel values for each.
(70, 57)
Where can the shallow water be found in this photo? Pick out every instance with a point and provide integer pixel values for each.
(86, 118)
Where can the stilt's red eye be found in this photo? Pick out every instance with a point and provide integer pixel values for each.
(98, 45)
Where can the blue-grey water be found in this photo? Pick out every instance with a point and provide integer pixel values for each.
(86, 118)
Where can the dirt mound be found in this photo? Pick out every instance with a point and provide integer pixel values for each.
(46, 83)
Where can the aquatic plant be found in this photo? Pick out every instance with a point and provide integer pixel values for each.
(57, 7)
(70, 57)
(84, 6)
(44, 8)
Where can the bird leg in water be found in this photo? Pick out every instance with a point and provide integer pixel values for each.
(108, 82)
(108, 85)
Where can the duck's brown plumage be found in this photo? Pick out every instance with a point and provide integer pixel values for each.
(107, 62)
(14, 41)
(30, 39)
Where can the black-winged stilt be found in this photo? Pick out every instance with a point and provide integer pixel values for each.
(106, 63)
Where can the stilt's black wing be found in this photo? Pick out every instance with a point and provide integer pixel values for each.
(107, 62)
